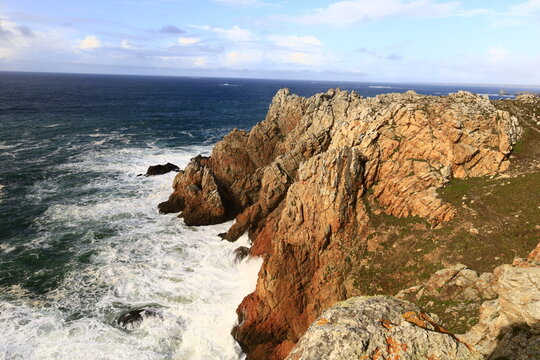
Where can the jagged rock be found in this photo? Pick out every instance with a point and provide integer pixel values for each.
(302, 183)
(196, 195)
(133, 318)
(161, 169)
(241, 253)
(455, 283)
(378, 328)
(509, 326)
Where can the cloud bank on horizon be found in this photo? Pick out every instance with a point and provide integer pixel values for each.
(360, 40)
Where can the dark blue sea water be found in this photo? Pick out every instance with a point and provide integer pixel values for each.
(81, 240)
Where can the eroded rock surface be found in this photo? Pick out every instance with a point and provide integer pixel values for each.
(378, 328)
(508, 301)
(509, 325)
(303, 182)
(455, 283)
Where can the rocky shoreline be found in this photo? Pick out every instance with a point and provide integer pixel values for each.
(311, 183)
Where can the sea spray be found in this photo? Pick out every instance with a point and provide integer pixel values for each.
(124, 256)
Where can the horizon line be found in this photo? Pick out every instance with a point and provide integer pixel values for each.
(270, 79)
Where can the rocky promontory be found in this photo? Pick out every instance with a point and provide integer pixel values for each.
(323, 186)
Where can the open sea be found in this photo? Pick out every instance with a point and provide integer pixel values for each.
(81, 239)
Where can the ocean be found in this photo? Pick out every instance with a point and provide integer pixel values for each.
(81, 240)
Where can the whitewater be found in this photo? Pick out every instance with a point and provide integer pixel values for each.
(142, 260)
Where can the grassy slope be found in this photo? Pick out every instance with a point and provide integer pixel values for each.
(498, 220)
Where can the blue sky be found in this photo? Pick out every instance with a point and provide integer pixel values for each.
(495, 42)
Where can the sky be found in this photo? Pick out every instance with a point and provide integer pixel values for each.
(437, 41)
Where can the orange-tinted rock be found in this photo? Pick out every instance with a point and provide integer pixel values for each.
(196, 195)
(301, 184)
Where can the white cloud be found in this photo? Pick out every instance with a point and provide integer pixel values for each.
(124, 44)
(234, 34)
(528, 8)
(292, 41)
(300, 58)
(497, 53)
(236, 59)
(200, 61)
(89, 42)
(356, 11)
(245, 3)
(187, 61)
(6, 53)
(12, 39)
(238, 2)
(188, 40)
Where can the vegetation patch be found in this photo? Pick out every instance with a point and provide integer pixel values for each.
(498, 219)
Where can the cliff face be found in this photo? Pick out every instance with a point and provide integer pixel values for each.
(388, 328)
(305, 182)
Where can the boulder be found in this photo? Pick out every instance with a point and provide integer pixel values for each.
(132, 319)
(509, 326)
(378, 328)
(456, 282)
(241, 253)
(161, 169)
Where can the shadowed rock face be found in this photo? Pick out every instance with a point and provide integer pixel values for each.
(378, 328)
(303, 181)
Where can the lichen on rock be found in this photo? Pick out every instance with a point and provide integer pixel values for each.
(378, 328)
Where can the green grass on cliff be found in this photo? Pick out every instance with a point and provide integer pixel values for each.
(498, 220)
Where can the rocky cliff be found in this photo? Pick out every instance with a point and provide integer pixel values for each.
(308, 182)
(389, 328)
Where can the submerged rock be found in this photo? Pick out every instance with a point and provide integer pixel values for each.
(378, 328)
(241, 253)
(133, 318)
(161, 169)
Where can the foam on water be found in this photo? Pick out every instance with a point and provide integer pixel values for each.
(127, 256)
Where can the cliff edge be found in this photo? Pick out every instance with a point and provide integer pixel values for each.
(311, 183)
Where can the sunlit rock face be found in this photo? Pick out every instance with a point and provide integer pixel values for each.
(378, 328)
(303, 182)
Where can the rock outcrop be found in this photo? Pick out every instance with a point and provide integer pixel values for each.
(196, 195)
(378, 328)
(509, 305)
(161, 169)
(509, 326)
(304, 182)
(455, 283)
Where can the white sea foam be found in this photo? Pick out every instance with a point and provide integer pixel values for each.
(5, 146)
(6, 248)
(147, 260)
(380, 87)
